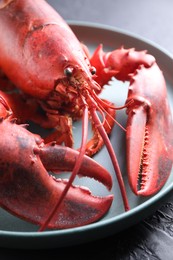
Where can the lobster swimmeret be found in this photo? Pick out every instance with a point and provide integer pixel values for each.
(58, 82)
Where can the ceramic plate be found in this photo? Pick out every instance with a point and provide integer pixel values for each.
(15, 233)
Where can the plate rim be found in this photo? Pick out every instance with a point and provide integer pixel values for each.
(127, 33)
(102, 224)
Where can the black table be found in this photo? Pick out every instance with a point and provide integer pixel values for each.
(153, 237)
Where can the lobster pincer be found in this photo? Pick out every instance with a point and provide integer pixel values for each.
(149, 159)
(149, 138)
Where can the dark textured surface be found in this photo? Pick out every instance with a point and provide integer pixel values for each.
(152, 238)
(149, 19)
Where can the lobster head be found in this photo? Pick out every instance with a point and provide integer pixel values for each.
(55, 60)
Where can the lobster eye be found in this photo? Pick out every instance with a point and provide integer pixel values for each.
(93, 70)
(68, 72)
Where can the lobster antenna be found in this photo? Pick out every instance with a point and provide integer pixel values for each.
(103, 104)
(116, 122)
(109, 106)
(112, 154)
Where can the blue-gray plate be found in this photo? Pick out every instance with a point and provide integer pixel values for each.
(16, 233)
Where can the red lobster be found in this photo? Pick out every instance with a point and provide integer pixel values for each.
(58, 82)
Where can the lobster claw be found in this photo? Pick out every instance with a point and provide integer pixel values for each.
(149, 138)
(29, 192)
(149, 132)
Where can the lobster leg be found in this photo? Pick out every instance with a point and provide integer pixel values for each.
(96, 142)
(63, 129)
(149, 161)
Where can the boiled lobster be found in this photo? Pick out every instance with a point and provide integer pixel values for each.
(57, 82)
